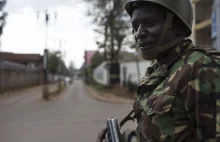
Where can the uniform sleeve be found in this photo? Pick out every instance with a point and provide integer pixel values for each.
(202, 102)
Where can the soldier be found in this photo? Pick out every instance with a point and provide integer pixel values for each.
(178, 99)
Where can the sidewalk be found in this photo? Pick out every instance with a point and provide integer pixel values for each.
(111, 98)
(38, 89)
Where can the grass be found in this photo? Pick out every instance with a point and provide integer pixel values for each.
(99, 87)
(114, 89)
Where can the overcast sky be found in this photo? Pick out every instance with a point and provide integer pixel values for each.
(24, 33)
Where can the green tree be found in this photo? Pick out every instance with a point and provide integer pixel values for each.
(3, 15)
(96, 60)
(56, 64)
(112, 24)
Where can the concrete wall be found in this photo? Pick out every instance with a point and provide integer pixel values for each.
(13, 76)
(129, 72)
(11, 79)
(101, 74)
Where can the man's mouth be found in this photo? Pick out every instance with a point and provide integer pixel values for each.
(145, 45)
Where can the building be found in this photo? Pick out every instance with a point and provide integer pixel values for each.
(203, 23)
(34, 61)
(88, 54)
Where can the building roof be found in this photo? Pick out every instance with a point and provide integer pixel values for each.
(21, 58)
(15, 66)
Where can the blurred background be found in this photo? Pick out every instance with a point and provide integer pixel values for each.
(80, 55)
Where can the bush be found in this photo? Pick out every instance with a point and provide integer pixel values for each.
(98, 86)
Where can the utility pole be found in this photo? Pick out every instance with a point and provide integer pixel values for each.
(46, 22)
(60, 45)
(45, 58)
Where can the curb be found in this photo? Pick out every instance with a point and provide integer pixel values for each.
(17, 92)
(110, 98)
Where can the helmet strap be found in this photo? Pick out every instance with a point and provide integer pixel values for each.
(159, 50)
(159, 47)
(170, 45)
(167, 24)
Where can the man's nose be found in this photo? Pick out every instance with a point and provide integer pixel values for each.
(141, 32)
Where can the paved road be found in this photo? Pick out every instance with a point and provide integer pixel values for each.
(74, 116)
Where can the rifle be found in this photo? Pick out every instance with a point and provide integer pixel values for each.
(112, 133)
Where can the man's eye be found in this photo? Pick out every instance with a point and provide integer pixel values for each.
(150, 22)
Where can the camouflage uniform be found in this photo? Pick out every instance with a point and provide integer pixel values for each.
(180, 100)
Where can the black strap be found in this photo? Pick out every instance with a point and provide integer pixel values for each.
(127, 118)
(167, 24)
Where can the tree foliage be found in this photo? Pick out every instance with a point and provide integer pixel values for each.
(113, 25)
(96, 60)
(3, 15)
(56, 64)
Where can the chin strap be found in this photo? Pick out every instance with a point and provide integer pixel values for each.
(159, 47)
(167, 24)
(157, 51)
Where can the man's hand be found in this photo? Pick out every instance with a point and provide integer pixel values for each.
(101, 136)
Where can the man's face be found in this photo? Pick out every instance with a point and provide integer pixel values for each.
(147, 22)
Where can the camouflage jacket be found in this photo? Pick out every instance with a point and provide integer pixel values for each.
(180, 100)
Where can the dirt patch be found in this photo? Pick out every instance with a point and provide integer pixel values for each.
(120, 91)
(53, 91)
(109, 95)
(15, 92)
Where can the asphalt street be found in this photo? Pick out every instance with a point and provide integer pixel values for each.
(73, 116)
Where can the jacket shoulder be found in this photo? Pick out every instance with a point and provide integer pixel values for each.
(195, 56)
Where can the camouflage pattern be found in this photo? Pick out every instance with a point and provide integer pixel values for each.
(180, 100)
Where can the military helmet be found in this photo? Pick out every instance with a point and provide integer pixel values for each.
(181, 8)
